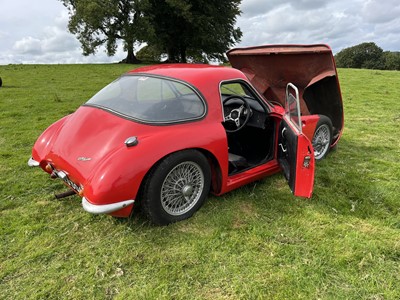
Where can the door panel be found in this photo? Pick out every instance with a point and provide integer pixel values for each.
(296, 159)
(287, 153)
(295, 152)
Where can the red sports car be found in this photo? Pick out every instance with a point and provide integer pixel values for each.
(165, 136)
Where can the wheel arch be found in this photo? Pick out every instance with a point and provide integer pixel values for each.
(216, 173)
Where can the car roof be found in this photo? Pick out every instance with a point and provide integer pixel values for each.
(201, 76)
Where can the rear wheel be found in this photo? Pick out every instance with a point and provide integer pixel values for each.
(176, 187)
(322, 138)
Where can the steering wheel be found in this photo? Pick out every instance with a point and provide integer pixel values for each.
(238, 116)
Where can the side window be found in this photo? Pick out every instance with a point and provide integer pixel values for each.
(234, 89)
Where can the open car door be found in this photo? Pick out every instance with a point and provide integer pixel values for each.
(295, 152)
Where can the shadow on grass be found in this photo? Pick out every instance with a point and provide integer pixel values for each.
(10, 87)
(345, 184)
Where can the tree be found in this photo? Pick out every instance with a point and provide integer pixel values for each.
(365, 55)
(99, 22)
(198, 29)
(392, 60)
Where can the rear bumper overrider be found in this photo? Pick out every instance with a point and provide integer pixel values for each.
(33, 163)
(105, 208)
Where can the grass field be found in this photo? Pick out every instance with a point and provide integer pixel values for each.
(258, 242)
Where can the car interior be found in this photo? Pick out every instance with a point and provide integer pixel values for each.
(249, 129)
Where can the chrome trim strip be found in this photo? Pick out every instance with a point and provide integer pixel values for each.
(33, 163)
(105, 208)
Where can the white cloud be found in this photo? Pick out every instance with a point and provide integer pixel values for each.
(36, 32)
(308, 4)
(28, 45)
(51, 45)
(340, 23)
(56, 40)
(251, 8)
(378, 11)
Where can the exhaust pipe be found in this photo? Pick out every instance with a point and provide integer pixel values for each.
(65, 194)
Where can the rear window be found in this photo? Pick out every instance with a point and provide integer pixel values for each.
(150, 99)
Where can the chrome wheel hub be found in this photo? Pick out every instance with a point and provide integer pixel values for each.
(187, 191)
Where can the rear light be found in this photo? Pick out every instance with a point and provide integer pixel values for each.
(49, 168)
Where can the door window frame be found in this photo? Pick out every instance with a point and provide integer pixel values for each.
(292, 106)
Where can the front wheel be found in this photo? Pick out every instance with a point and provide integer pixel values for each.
(176, 187)
(322, 138)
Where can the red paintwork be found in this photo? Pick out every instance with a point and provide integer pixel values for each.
(304, 183)
(309, 125)
(115, 172)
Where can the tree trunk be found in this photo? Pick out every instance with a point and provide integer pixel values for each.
(131, 58)
(183, 54)
(172, 55)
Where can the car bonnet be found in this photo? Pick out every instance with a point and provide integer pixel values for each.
(310, 67)
(269, 68)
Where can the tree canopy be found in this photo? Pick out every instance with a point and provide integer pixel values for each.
(194, 28)
(392, 60)
(368, 56)
(200, 29)
(104, 22)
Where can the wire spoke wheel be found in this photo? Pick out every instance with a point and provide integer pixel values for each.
(176, 187)
(321, 141)
(182, 188)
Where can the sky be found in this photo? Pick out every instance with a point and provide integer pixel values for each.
(36, 31)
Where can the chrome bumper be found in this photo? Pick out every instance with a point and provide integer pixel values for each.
(106, 208)
(33, 163)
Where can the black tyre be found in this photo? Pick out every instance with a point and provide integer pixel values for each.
(176, 187)
(322, 138)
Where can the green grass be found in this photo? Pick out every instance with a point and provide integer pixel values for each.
(258, 242)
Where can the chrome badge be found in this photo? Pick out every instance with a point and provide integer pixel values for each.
(82, 158)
